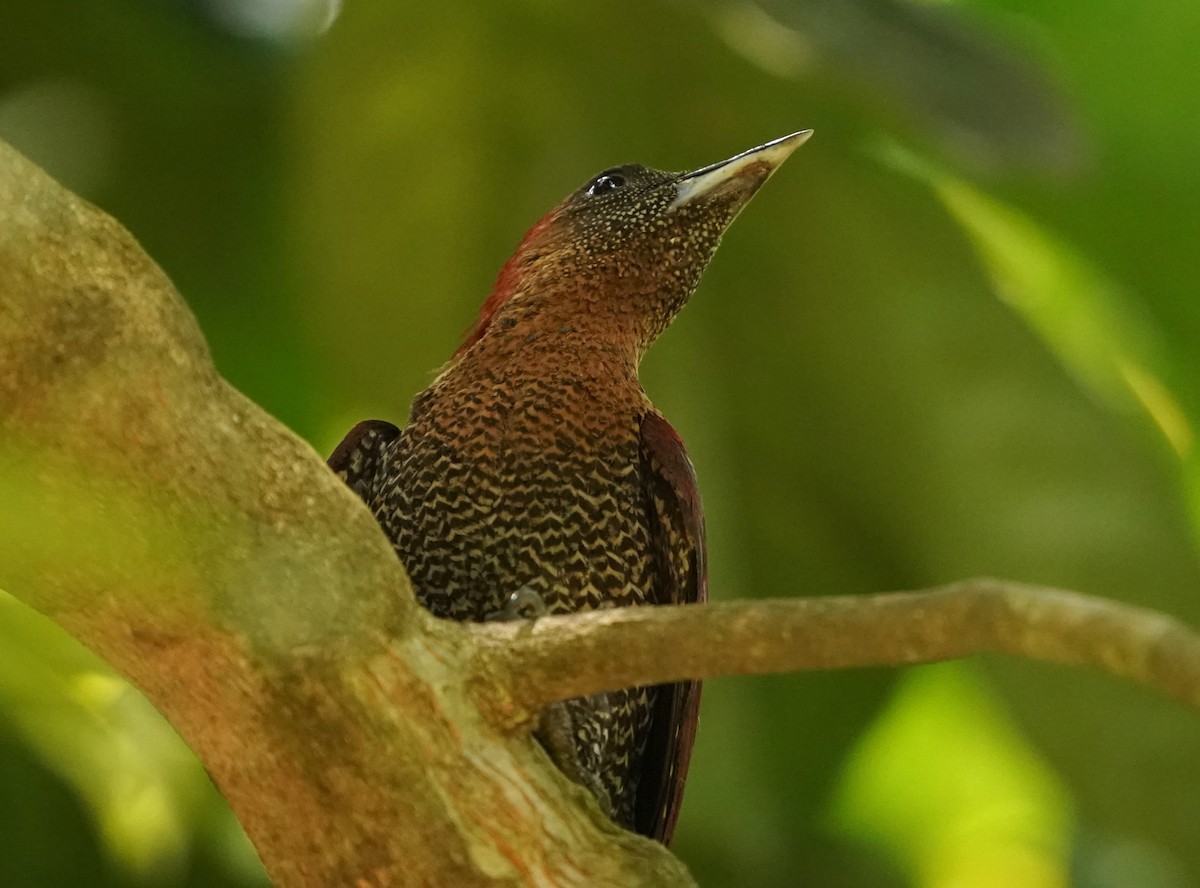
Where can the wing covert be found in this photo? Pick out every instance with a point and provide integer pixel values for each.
(677, 531)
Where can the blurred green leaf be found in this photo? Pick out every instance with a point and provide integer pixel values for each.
(946, 782)
(982, 90)
(148, 793)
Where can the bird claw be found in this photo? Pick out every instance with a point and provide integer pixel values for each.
(524, 604)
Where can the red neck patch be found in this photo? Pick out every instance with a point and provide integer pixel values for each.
(503, 288)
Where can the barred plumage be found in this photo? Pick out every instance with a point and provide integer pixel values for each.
(535, 460)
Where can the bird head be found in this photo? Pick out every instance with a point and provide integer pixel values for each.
(619, 257)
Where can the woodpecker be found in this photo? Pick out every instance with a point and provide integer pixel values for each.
(534, 474)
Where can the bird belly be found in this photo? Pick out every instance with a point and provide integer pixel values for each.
(511, 506)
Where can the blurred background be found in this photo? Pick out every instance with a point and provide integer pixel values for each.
(956, 335)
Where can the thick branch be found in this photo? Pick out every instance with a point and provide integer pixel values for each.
(556, 658)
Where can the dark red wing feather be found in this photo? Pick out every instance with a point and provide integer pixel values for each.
(677, 521)
(358, 458)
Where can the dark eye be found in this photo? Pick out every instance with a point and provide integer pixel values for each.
(604, 183)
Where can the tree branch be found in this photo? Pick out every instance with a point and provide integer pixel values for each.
(556, 658)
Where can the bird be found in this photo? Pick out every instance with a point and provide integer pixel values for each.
(534, 474)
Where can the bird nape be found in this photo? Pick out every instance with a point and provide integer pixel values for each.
(534, 474)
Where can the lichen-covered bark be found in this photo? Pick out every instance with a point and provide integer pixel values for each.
(540, 664)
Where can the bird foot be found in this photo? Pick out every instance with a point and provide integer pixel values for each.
(524, 604)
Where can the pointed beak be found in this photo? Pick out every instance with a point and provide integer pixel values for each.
(743, 173)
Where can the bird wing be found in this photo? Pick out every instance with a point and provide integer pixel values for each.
(677, 528)
(358, 458)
